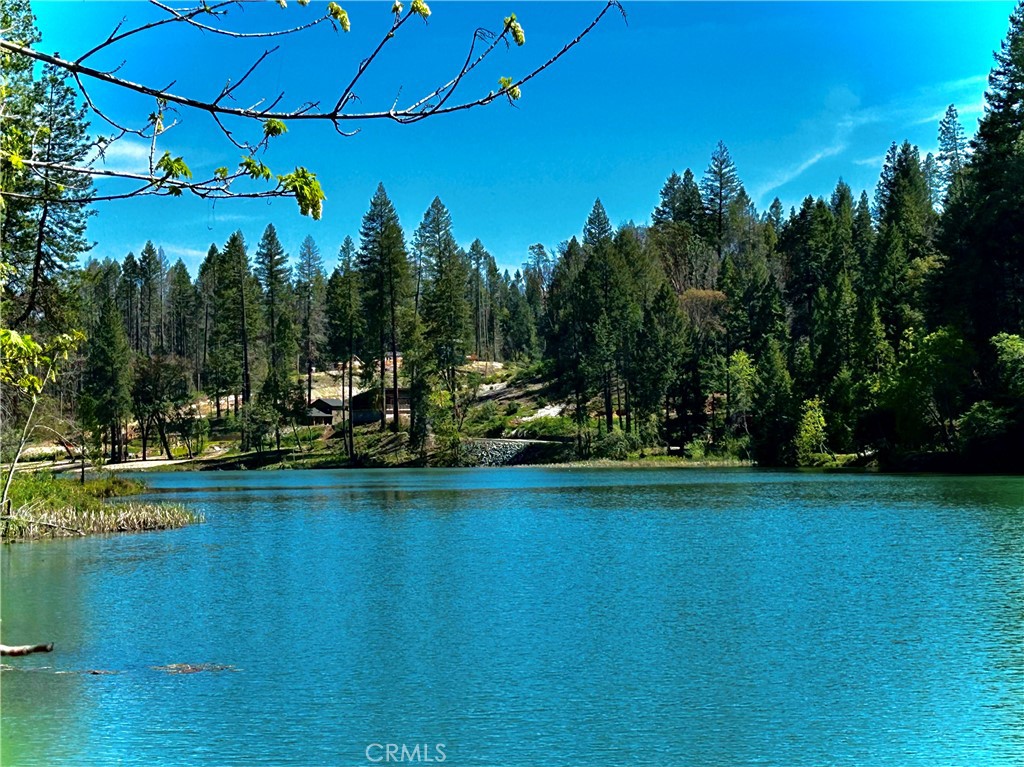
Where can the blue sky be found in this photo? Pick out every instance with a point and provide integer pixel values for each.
(802, 93)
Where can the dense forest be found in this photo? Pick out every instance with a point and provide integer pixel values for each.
(886, 325)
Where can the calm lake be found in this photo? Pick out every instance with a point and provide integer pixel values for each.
(532, 617)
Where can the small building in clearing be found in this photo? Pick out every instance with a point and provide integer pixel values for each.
(326, 411)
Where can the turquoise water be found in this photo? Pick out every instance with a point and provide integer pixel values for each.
(532, 617)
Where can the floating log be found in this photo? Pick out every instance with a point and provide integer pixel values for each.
(25, 649)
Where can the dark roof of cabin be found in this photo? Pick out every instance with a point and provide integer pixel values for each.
(331, 402)
(370, 398)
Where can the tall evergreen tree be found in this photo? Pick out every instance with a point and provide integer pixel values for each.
(983, 229)
(952, 157)
(181, 311)
(151, 290)
(310, 287)
(107, 380)
(904, 252)
(345, 322)
(446, 312)
(384, 272)
(42, 236)
(719, 187)
(129, 299)
(274, 274)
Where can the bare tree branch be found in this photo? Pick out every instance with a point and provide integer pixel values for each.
(270, 115)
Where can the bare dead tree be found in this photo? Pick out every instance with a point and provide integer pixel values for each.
(266, 117)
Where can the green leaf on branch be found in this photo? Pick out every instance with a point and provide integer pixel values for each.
(340, 15)
(510, 90)
(255, 169)
(173, 167)
(308, 193)
(274, 127)
(221, 173)
(420, 7)
(397, 8)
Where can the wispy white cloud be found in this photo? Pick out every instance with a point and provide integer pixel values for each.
(783, 177)
(217, 217)
(844, 112)
(126, 155)
(184, 253)
(963, 82)
(872, 162)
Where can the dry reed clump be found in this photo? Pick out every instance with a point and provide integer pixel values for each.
(34, 523)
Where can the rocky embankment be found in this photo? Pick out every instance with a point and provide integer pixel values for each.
(515, 452)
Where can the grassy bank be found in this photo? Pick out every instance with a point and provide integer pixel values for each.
(45, 506)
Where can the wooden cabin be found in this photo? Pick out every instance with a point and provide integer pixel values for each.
(366, 405)
(326, 411)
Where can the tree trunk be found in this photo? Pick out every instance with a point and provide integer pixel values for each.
(618, 403)
(246, 391)
(394, 366)
(383, 388)
(351, 425)
(161, 428)
(309, 380)
(26, 649)
(609, 411)
(629, 412)
(37, 266)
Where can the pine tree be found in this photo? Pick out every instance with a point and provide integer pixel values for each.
(602, 311)
(384, 272)
(274, 274)
(181, 311)
(952, 159)
(566, 324)
(983, 229)
(446, 313)
(773, 407)
(930, 169)
(719, 187)
(345, 321)
(229, 368)
(129, 299)
(107, 380)
(479, 307)
(520, 334)
(151, 289)
(310, 287)
(41, 238)
(904, 252)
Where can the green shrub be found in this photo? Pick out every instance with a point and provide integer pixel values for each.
(616, 445)
(547, 427)
(696, 449)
